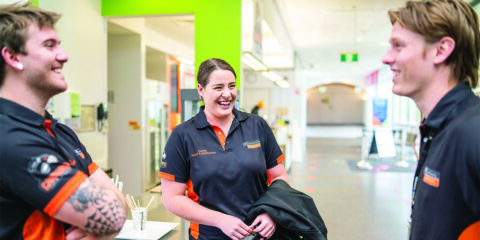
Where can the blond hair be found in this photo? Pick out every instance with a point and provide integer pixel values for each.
(435, 19)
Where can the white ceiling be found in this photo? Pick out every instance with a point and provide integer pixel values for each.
(321, 29)
(180, 27)
(317, 32)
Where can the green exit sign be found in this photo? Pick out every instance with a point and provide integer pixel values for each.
(349, 57)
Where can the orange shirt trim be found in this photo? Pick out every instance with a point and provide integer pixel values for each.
(281, 158)
(40, 226)
(67, 190)
(194, 230)
(220, 134)
(194, 227)
(92, 168)
(471, 233)
(166, 176)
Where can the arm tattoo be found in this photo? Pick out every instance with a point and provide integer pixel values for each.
(108, 209)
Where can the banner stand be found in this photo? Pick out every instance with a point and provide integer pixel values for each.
(362, 164)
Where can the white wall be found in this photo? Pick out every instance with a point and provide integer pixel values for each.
(131, 56)
(339, 105)
(125, 80)
(158, 40)
(82, 32)
(255, 87)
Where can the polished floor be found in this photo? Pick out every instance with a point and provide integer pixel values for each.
(355, 204)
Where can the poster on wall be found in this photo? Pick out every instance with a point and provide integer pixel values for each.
(75, 106)
(380, 108)
(383, 135)
(87, 118)
(174, 88)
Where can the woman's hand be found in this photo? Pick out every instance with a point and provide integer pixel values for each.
(265, 225)
(233, 227)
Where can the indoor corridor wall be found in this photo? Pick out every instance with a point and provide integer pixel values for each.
(334, 104)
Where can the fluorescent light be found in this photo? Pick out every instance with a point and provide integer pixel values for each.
(283, 84)
(276, 79)
(253, 62)
(257, 65)
(272, 76)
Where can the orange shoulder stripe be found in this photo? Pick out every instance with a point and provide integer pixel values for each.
(67, 190)
(281, 158)
(166, 176)
(92, 168)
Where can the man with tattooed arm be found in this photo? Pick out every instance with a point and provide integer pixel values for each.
(49, 186)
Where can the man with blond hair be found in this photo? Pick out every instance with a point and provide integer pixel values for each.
(49, 186)
(434, 56)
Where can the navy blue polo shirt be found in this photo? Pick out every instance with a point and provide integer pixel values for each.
(225, 174)
(447, 200)
(42, 163)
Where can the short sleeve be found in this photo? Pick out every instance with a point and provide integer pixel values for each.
(38, 174)
(174, 165)
(273, 153)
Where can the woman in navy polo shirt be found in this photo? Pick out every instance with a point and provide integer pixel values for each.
(223, 158)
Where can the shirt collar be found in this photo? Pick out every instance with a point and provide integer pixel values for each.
(201, 118)
(23, 114)
(446, 107)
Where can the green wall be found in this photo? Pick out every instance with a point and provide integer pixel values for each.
(217, 24)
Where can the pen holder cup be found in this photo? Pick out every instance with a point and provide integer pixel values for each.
(139, 218)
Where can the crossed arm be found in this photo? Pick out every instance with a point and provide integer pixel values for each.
(97, 208)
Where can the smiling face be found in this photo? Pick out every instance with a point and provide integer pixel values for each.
(411, 60)
(219, 94)
(43, 61)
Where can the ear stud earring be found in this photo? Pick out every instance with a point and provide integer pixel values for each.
(19, 66)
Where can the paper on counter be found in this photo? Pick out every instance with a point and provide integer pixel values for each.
(153, 231)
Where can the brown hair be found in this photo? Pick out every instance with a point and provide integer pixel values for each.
(14, 22)
(435, 19)
(210, 65)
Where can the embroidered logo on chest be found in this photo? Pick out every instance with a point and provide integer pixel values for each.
(252, 144)
(431, 177)
(203, 152)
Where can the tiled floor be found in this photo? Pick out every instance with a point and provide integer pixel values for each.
(354, 204)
